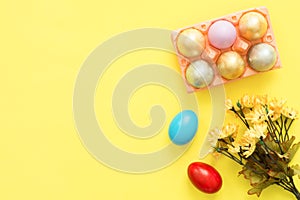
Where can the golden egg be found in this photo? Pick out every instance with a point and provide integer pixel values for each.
(231, 65)
(190, 43)
(253, 26)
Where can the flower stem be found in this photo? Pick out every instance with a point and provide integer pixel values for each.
(273, 129)
(241, 116)
(295, 190)
(289, 185)
(229, 155)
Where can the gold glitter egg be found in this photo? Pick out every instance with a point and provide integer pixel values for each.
(190, 43)
(253, 26)
(199, 74)
(230, 65)
(262, 57)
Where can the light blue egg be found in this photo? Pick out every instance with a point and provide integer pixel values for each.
(183, 127)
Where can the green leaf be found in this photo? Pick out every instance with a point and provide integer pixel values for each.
(280, 165)
(251, 168)
(254, 174)
(275, 174)
(257, 189)
(256, 179)
(287, 144)
(296, 170)
(246, 172)
(271, 143)
(290, 172)
(293, 150)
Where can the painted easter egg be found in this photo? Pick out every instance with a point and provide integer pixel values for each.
(204, 177)
(199, 74)
(231, 65)
(262, 57)
(253, 26)
(183, 127)
(191, 43)
(222, 34)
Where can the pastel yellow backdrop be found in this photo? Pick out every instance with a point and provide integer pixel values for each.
(43, 44)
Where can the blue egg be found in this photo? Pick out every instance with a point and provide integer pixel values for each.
(183, 127)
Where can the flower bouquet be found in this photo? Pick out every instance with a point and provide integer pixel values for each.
(262, 146)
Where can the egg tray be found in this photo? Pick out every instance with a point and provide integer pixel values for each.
(211, 54)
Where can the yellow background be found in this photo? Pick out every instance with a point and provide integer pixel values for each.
(42, 46)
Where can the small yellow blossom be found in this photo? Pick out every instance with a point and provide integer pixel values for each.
(216, 154)
(261, 100)
(261, 129)
(257, 116)
(230, 129)
(247, 139)
(290, 113)
(228, 104)
(213, 136)
(257, 131)
(274, 115)
(248, 101)
(249, 133)
(246, 143)
(234, 148)
(276, 105)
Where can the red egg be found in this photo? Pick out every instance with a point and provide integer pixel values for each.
(205, 177)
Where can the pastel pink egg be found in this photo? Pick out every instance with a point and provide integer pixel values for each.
(222, 34)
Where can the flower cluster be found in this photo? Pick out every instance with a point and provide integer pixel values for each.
(263, 145)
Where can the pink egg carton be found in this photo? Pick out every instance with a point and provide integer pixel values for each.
(240, 45)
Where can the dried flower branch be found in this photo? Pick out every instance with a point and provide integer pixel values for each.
(265, 148)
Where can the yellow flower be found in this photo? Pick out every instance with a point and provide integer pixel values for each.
(249, 133)
(276, 105)
(248, 138)
(248, 101)
(290, 113)
(274, 115)
(257, 116)
(257, 131)
(216, 154)
(261, 100)
(261, 129)
(228, 104)
(234, 148)
(246, 143)
(230, 129)
(213, 136)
